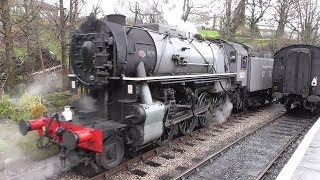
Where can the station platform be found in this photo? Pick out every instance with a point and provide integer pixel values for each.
(304, 164)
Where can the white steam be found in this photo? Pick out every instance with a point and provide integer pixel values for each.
(87, 103)
(44, 84)
(10, 136)
(12, 156)
(172, 14)
(223, 112)
(14, 161)
(47, 171)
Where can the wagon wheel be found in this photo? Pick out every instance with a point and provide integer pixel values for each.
(187, 126)
(168, 133)
(205, 118)
(113, 152)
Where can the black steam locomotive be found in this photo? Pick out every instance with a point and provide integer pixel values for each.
(148, 83)
(295, 76)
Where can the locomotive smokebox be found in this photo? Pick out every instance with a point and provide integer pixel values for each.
(117, 18)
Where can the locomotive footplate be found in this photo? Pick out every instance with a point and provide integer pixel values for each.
(97, 123)
(175, 78)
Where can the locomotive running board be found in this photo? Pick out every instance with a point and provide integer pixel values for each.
(189, 77)
(187, 115)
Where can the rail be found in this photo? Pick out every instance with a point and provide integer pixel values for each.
(196, 167)
(279, 154)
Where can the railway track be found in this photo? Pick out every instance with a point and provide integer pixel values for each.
(282, 150)
(174, 146)
(165, 152)
(252, 155)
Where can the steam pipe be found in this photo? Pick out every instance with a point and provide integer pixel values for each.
(145, 90)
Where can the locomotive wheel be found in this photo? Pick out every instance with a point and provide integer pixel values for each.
(206, 118)
(113, 152)
(187, 126)
(168, 133)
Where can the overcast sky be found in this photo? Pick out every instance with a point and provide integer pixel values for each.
(172, 11)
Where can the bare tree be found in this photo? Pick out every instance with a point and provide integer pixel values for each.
(152, 13)
(5, 19)
(189, 8)
(257, 9)
(283, 10)
(63, 43)
(31, 28)
(136, 10)
(74, 11)
(73, 14)
(234, 17)
(309, 19)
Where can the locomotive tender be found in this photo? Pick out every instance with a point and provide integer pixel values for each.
(148, 83)
(295, 76)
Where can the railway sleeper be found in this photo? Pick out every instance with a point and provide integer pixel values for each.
(138, 172)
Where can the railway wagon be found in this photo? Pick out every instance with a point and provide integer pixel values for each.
(295, 76)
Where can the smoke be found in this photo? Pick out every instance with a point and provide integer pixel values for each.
(47, 171)
(174, 9)
(223, 112)
(14, 157)
(9, 149)
(87, 103)
(44, 83)
(14, 148)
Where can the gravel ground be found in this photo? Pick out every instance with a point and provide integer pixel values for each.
(248, 159)
(201, 148)
(282, 161)
(22, 167)
(69, 176)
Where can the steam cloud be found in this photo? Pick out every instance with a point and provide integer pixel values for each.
(12, 159)
(44, 83)
(87, 103)
(223, 112)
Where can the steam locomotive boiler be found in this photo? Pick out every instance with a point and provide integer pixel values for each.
(145, 84)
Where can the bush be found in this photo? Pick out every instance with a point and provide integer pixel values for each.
(32, 105)
(57, 100)
(27, 107)
(7, 108)
(210, 34)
